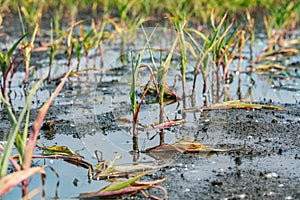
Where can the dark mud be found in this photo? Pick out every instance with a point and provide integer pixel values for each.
(88, 114)
(269, 170)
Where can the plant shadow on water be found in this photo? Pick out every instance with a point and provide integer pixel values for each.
(98, 114)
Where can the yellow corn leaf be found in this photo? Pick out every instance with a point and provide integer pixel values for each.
(186, 146)
(270, 68)
(111, 171)
(234, 104)
(195, 147)
(58, 150)
(123, 184)
(129, 189)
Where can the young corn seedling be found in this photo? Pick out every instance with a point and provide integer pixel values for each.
(162, 75)
(32, 12)
(99, 36)
(87, 42)
(134, 106)
(278, 22)
(7, 65)
(25, 145)
(4, 6)
(130, 18)
(16, 136)
(54, 45)
(181, 13)
(71, 42)
(251, 32)
(57, 11)
(27, 52)
(212, 49)
(165, 95)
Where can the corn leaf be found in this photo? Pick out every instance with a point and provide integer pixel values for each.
(130, 189)
(186, 146)
(234, 104)
(58, 150)
(123, 184)
(123, 171)
(270, 68)
(13, 179)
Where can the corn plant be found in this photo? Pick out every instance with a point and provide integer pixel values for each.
(27, 52)
(57, 12)
(6, 63)
(4, 6)
(28, 46)
(25, 147)
(158, 77)
(212, 48)
(32, 12)
(130, 18)
(134, 106)
(88, 42)
(71, 40)
(180, 13)
(73, 7)
(54, 45)
(279, 21)
(16, 136)
(162, 75)
(250, 21)
(99, 36)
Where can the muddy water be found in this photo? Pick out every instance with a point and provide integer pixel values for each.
(89, 115)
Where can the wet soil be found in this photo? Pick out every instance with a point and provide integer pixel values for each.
(88, 113)
(269, 170)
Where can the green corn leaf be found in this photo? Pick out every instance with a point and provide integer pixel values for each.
(15, 130)
(123, 184)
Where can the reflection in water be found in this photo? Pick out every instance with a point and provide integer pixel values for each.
(49, 129)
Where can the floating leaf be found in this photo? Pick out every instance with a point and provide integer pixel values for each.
(270, 68)
(124, 171)
(162, 152)
(104, 171)
(283, 52)
(128, 189)
(235, 104)
(195, 147)
(123, 184)
(185, 146)
(58, 150)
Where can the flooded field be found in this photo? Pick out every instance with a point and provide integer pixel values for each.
(93, 112)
